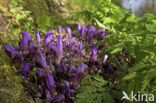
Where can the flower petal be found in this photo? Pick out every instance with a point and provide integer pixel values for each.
(48, 39)
(12, 53)
(25, 69)
(59, 97)
(38, 37)
(48, 96)
(48, 33)
(83, 30)
(53, 47)
(50, 83)
(42, 60)
(60, 30)
(103, 33)
(40, 73)
(80, 47)
(81, 68)
(59, 47)
(26, 39)
(71, 42)
(78, 26)
(69, 31)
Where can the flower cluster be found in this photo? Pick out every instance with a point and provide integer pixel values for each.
(60, 59)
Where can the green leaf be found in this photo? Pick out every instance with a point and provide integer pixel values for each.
(130, 76)
(151, 28)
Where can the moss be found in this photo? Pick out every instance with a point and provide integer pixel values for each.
(58, 10)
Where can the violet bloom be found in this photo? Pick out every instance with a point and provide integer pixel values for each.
(59, 48)
(42, 61)
(66, 89)
(80, 47)
(72, 70)
(48, 33)
(91, 31)
(76, 74)
(69, 31)
(59, 97)
(26, 40)
(10, 51)
(25, 69)
(40, 73)
(48, 96)
(83, 29)
(20, 43)
(63, 69)
(26, 35)
(53, 47)
(81, 68)
(50, 83)
(71, 42)
(60, 30)
(81, 71)
(103, 33)
(48, 39)
(94, 53)
(78, 27)
(38, 37)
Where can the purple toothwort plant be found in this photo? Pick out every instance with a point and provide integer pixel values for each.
(69, 31)
(83, 29)
(60, 61)
(38, 37)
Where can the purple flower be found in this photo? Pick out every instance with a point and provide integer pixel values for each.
(66, 89)
(63, 69)
(42, 61)
(60, 30)
(83, 29)
(50, 83)
(12, 53)
(80, 47)
(40, 73)
(72, 66)
(38, 37)
(69, 31)
(76, 74)
(26, 40)
(59, 48)
(48, 33)
(48, 95)
(78, 27)
(71, 42)
(25, 69)
(20, 43)
(81, 68)
(72, 70)
(48, 39)
(59, 97)
(103, 33)
(53, 47)
(91, 31)
(94, 53)
(26, 35)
